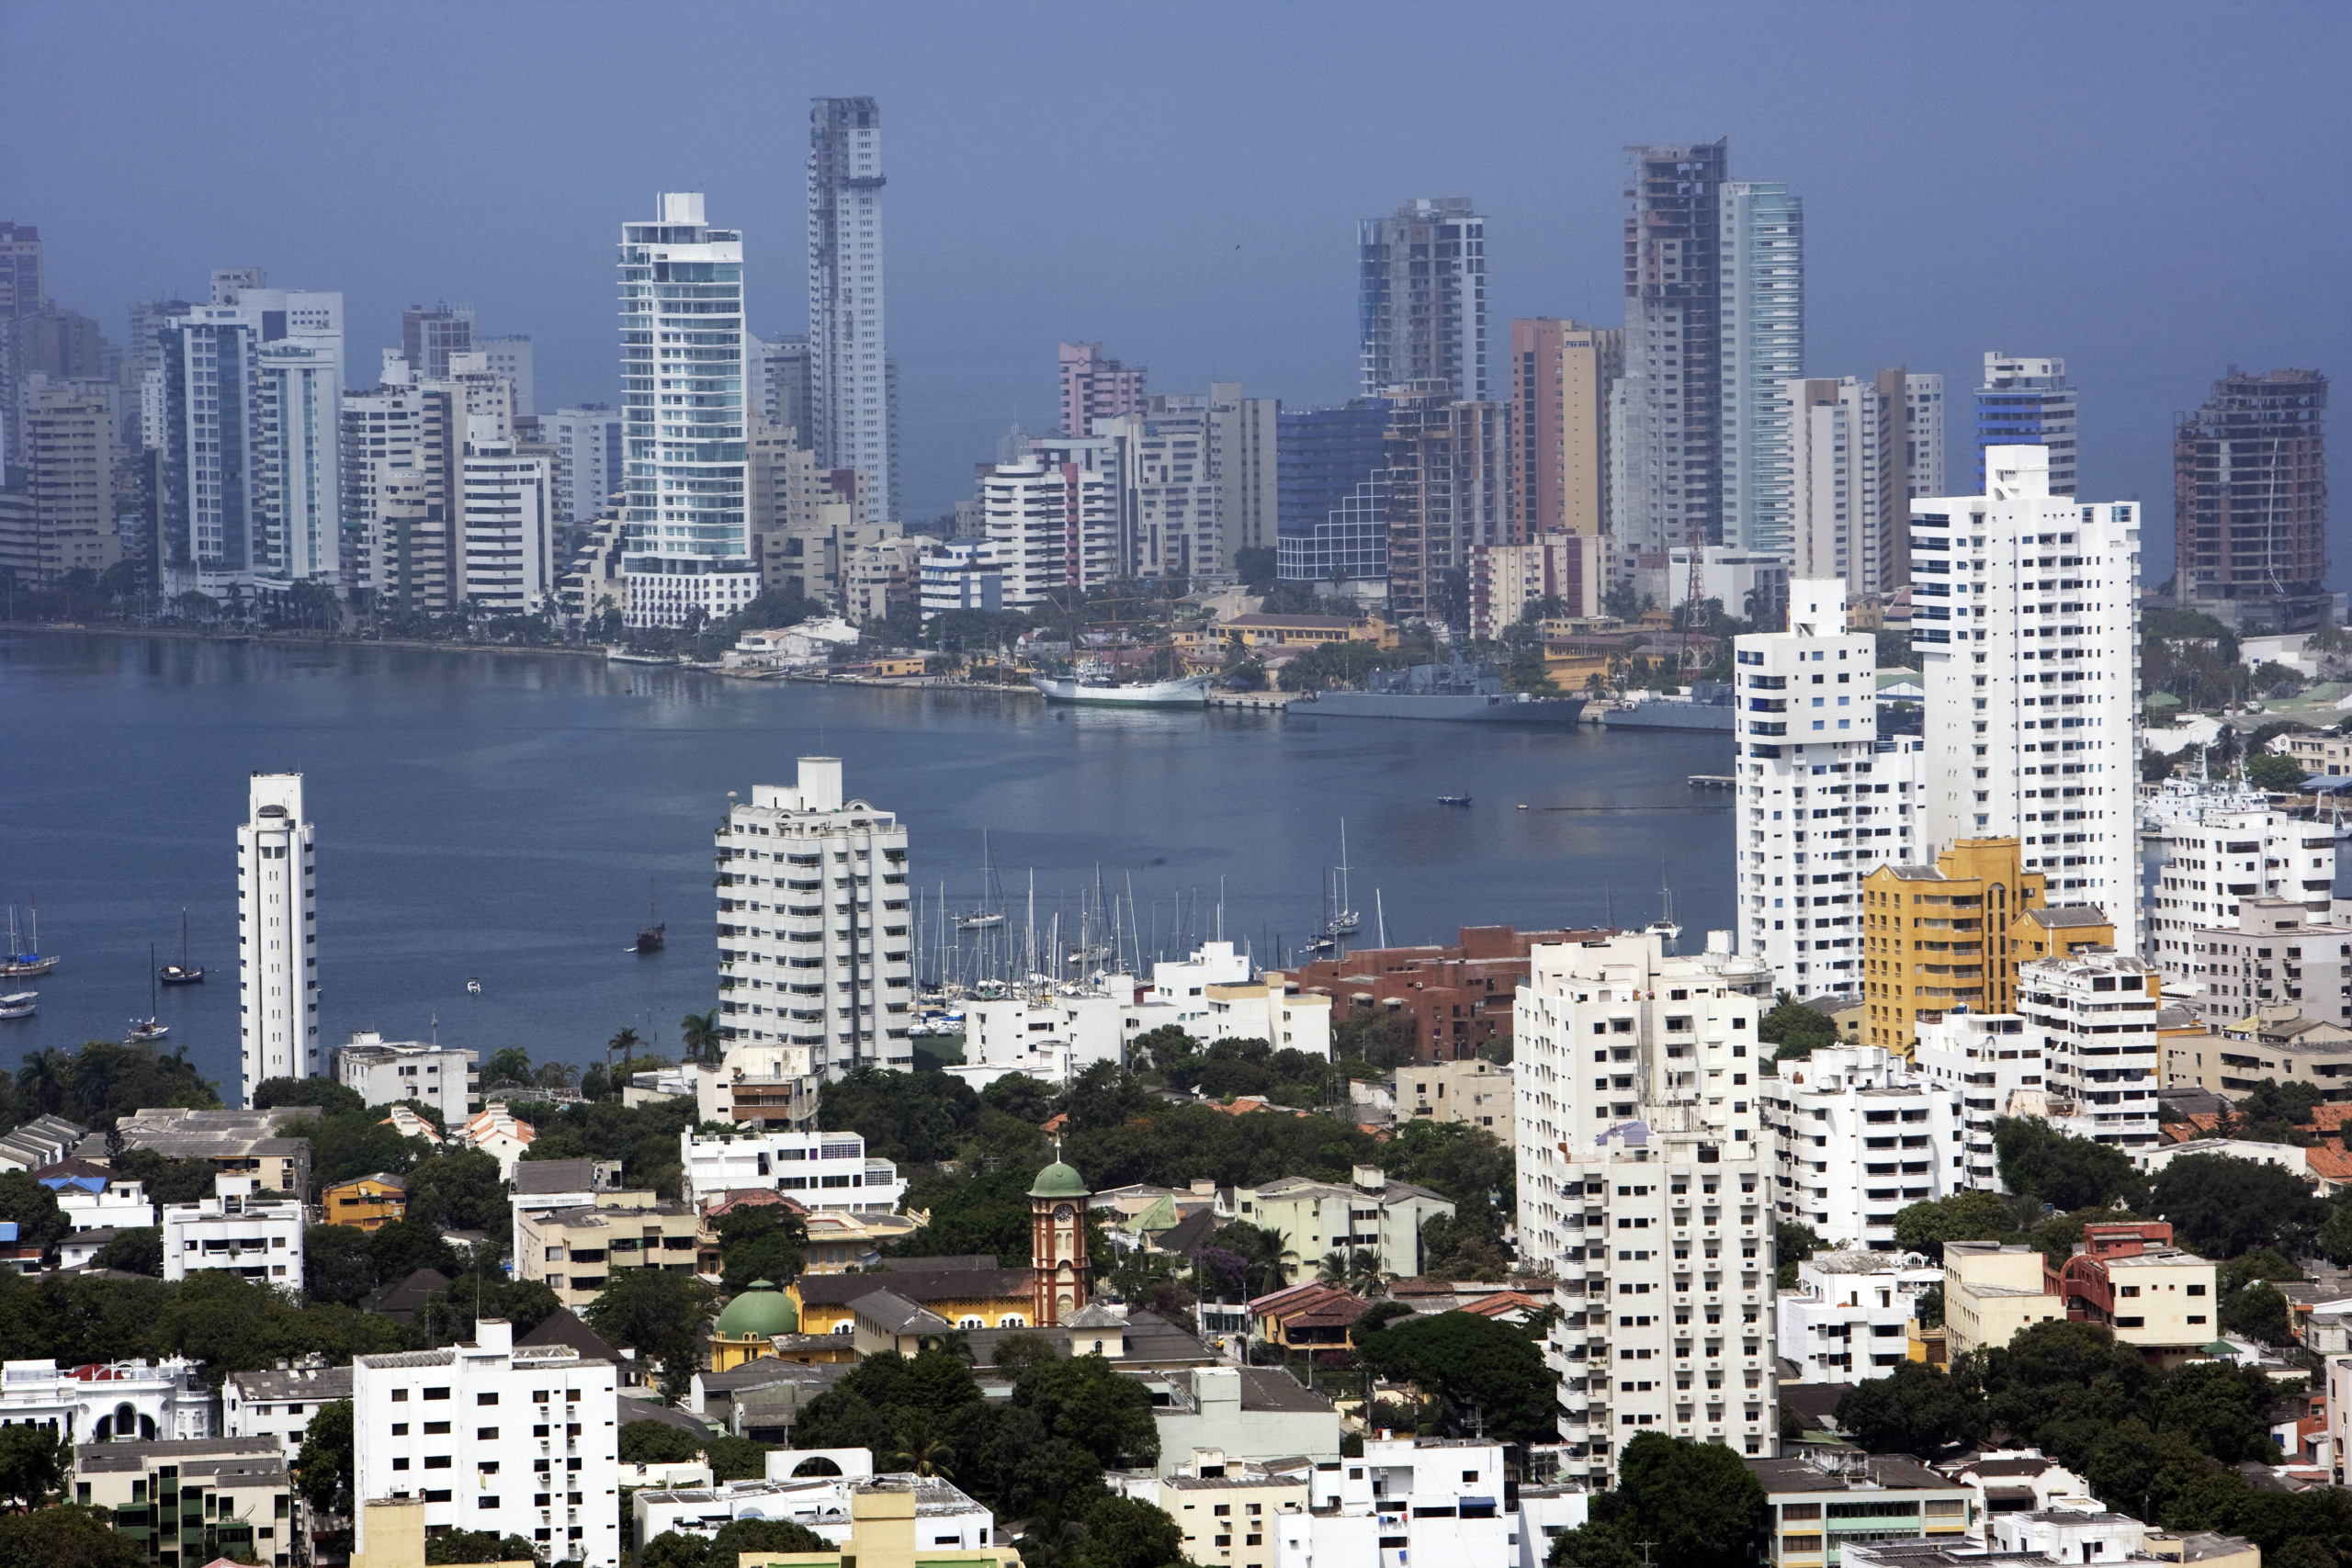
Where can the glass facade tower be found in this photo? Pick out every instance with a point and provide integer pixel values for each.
(681, 393)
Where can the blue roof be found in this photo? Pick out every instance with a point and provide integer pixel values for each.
(2327, 781)
(79, 1183)
(7, 1233)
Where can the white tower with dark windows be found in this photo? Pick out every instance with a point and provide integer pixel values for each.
(278, 939)
(850, 394)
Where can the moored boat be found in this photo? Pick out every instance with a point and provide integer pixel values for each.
(1092, 680)
(183, 973)
(20, 1004)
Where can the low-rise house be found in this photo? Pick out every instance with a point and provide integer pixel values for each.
(967, 1293)
(44, 1141)
(499, 1133)
(364, 1203)
(2277, 1041)
(1249, 1412)
(949, 1521)
(404, 1120)
(1846, 1320)
(237, 1231)
(1370, 1213)
(1308, 1318)
(1815, 1503)
(92, 1196)
(279, 1404)
(1476, 1091)
(106, 1402)
(2014, 1481)
(576, 1251)
(2286, 1156)
(195, 1501)
(2080, 1532)
(764, 1084)
(2157, 1298)
(238, 1143)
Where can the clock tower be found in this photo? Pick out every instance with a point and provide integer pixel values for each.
(1057, 1206)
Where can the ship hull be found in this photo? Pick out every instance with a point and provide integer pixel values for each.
(1673, 715)
(1191, 694)
(1508, 707)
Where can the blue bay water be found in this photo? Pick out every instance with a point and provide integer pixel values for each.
(504, 817)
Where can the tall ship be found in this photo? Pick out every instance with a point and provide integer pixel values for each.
(23, 960)
(1462, 691)
(1093, 681)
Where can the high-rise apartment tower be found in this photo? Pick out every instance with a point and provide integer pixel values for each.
(1421, 297)
(2026, 402)
(848, 392)
(1094, 387)
(1560, 373)
(277, 935)
(1762, 293)
(1672, 417)
(2249, 486)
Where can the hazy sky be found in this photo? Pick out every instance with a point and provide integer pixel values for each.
(2152, 191)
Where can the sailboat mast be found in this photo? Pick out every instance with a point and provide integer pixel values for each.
(1380, 913)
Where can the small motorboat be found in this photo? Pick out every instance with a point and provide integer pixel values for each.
(473, 988)
(20, 1004)
(1454, 800)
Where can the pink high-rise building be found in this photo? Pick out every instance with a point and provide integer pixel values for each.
(1094, 388)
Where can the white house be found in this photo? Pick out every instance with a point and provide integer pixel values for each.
(94, 1198)
(255, 1238)
(1050, 1034)
(280, 1403)
(386, 1072)
(499, 1133)
(149, 1401)
(1846, 1319)
(491, 1437)
(821, 1170)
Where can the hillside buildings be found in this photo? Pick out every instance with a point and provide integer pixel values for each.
(852, 395)
(1644, 1185)
(277, 935)
(682, 328)
(2250, 503)
(813, 949)
(2025, 619)
(1820, 800)
(1421, 299)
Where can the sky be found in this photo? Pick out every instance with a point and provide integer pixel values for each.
(2152, 191)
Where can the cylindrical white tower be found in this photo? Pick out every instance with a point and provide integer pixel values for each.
(278, 922)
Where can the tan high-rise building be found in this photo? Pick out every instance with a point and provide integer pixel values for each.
(69, 436)
(1560, 373)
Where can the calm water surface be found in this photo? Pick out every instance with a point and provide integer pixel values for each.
(505, 819)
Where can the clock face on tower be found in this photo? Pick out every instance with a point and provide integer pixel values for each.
(1061, 1210)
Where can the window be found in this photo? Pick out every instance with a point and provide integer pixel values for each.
(400, 1396)
(485, 1399)
(436, 1394)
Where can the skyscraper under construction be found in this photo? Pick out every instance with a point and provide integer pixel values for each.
(2250, 501)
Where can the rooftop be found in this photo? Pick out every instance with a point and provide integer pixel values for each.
(1878, 1472)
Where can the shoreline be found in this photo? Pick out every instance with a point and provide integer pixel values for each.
(296, 639)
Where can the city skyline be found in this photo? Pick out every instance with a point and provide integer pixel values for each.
(1253, 280)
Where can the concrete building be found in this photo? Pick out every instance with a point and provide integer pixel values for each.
(1998, 1070)
(1247, 1414)
(1244, 454)
(2096, 1014)
(1332, 497)
(1761, 293)
(1050, 1034)
(2214, 863)
(298, 406)
(962, 574)
(1923, 440)
(2157, 1298)
(1370, 1213)
(1476, 1091)
(1670, 433)
(1849, 451)
(1639, 1133)
(534, 1452)
(1095, 387)
(277, 935)
(279, 1404)
(780, 380)
(2275, 1042)
(429, 334)
(1449, 492)
(890, 1521)
(772, 1086)
(235, 1231)
(1816, 1503)
(1421, 298)
(94, 1197)
(2276, 954)
(1507, 579)
(228, 1499)
(509, 545)
(1844, 1296)
(1808, 755)
(839, 981)
(2250, 503)
(386, 1072)
(851, 400)
(1560, 376)
(2048, 590)
(23, 289)
(1856, 1136)
(588, 466)
(688, 543)
(1171, 495)
(1942, 937)
(69, 447)
(818, 1170)
(109, 1402)
(364, 1202)
(575, 1252)
(1053, 521)
(238, 1143)
(2026, 402)
(510, 357)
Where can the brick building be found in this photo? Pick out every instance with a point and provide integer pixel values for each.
(1459, 997)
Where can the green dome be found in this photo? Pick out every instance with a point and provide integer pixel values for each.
(758, 1313)
(1059, 1180)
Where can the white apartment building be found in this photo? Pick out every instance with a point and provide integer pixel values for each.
(1761, 256)
(962, 574)
(1923, 433)
(822, 960)
(1403, 1499)
(1820, 801)
(495, 1437)
(509, 542)
(1183, 983)
(1053, 520)
(277, 935)
(853, 412)
(2025, 619)
(310, 316)
(2096, 1016)
(2027, 398)
(164, 1401)
(587, 440)
(1644, 1186)
(1170, 488)
(1857, 1136)
(820, 1170)
(237, 1233)
(299, 411)
(2277, 954)
(1842, 520)
(1998, 1070)
(384, 1072)
(2222, 858)
(510, 357)
(1847, 1319)
(688, 543)
(280, 1403)
(93, 1198)
(1050, 1034)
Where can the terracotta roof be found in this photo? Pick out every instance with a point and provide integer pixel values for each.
(1503, 1303)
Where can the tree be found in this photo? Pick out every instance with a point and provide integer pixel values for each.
(511, 1065)
(1679, 1503)
(139, 1251)
(328, 1097)
(1791, 1245)
(2260, 1310)
(476, 1546)
(655, 1314)
(1126, 1532)
(2219, 1207)
(2069, 1173)
(1914, 1409)
(324, 1465)
(657, 1443)
(1490, 1377)
(699, 1035)
(1971, 1215)
(34, 1462)
(336, 1264)
(460, 1189)
(66, 1537)
(2270, 772)
(760, 1241)
(1082, 1401)
(1795, 1028)
(40, 1222)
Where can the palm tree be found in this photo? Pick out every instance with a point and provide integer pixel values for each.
(955, 1342)
(556, 1075)
(922, 1453)
(1364, 1272)
(1333, 1269)
(624, 1043)
(699, 1032)
(44, 1078)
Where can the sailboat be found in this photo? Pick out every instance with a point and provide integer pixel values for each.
(981, 917)
(653, 938)
(183, 973)
(23, 962)
(147, 1031)
(1664, 926)
(1344, 920)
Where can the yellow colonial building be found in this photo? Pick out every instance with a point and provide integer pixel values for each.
(747, 1329)
(364, 1202)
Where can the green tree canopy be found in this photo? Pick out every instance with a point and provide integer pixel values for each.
(1676, 1504)
(67, 1537)
(1126, 1532)
(657, 1443)
(326, 1459)
(34, 1462)
(657, 1315)
(327, 1096)
(1968, 1215)
(2270, 771)
(2219, 1207)
(1795, 1028)
(2069, 1173)
(477, 1546)
(1914, 1409)
(1489, 1376)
